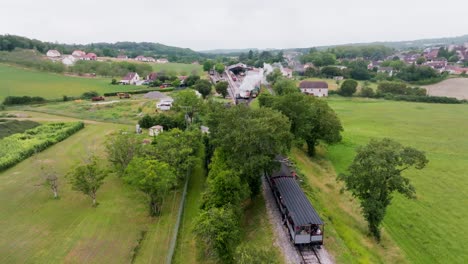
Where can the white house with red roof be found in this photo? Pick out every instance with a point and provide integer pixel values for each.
(53, 54)
(315, 88)
(140, 58)
(90, 56)
(130, 78)
(78, 53)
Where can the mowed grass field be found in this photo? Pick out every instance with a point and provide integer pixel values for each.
(178, 68)
(434, 227)
(38, 229)
(20, 82)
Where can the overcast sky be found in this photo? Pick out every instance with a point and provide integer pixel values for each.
(216, 24)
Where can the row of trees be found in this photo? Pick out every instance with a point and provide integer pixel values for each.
(257, 59)
(108, 68)
(330, 55)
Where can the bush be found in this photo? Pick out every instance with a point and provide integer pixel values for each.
(348, 88)
(367, 92)
(89, 95)
(18, 100)
(18, 147)
(425, 99)
(168, 121)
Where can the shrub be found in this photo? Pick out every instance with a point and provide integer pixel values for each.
(367, 92)
(348, 88)
(17, 100)
(89, 95)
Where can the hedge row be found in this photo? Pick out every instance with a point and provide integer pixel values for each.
(141, 91)
(20, 146)
(425, 99)
(16, 100)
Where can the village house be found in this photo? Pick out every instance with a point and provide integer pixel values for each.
(122, 57)
(155, 130)
(150, 59)
(78, 53)
(455, 70)
(140, 58)
(388, 70)
(69, 60)
(431, 54)
(373, 64)
(53, 54)
(130, 78)
(90, 56)
(162, 61)
(315, 88)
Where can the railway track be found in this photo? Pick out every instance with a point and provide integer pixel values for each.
(308, 255)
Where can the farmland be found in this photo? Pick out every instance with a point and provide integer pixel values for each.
(178, 68)
(429, 229)
(68, 230)
(454, 87)
(20, 82)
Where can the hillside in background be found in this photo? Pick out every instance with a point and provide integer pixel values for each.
(131, 49)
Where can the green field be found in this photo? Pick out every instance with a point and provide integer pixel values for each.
(431, 229)
(19, 82)
(39, 229)
(178, 68)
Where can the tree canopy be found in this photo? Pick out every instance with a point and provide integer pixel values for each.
(376, 173)
(348, 87)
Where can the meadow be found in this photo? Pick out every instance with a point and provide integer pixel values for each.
(40, 229)
(20, 82)
(178, 68)
(429, 229)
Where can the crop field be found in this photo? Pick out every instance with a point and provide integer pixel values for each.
(454, 87)
(20, 82)
(430, 229)
(178, 68)
(113, 110)
(40, 229)
(9, 127)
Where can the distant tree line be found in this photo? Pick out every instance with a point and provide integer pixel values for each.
(131, 49)
(256, 59)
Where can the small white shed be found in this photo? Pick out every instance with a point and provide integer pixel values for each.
(155, 130)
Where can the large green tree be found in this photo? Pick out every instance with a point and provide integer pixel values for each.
(152, 177)
(312, 120)
(222, 88)
(121, 147)
(203, 87)
(348, 88)
(285, 86)
(88, 177)
(177, 148)
(376, 173)
(218, 229)
(187, 101)
(250, 139)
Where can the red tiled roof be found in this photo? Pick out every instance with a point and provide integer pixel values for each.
(129, 76)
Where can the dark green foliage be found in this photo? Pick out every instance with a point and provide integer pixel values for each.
(313, 72)
(191, 80)
(250, 139)
(168, 121)
(266, 100)
(257, 59)
(367, 92)
(208, 65)
(319, 58)
(376, 173)
(414, 73)
(219, 231)
(348, 88)
(312, 120)
(152, 177)
(10, 127)
(368, 52)
(140, 91)
(400, 89)
(18, 100)
(221, 88)
(89, 95)
(203, 87)
(274, 76)
(285, 86)
(178, 149)
(444, 53)
(425, 99)
(330, 71)
(121, 147)
(219, 67)
(18, 147)
(114, 82)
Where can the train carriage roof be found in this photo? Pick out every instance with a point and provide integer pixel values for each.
(300, 208)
